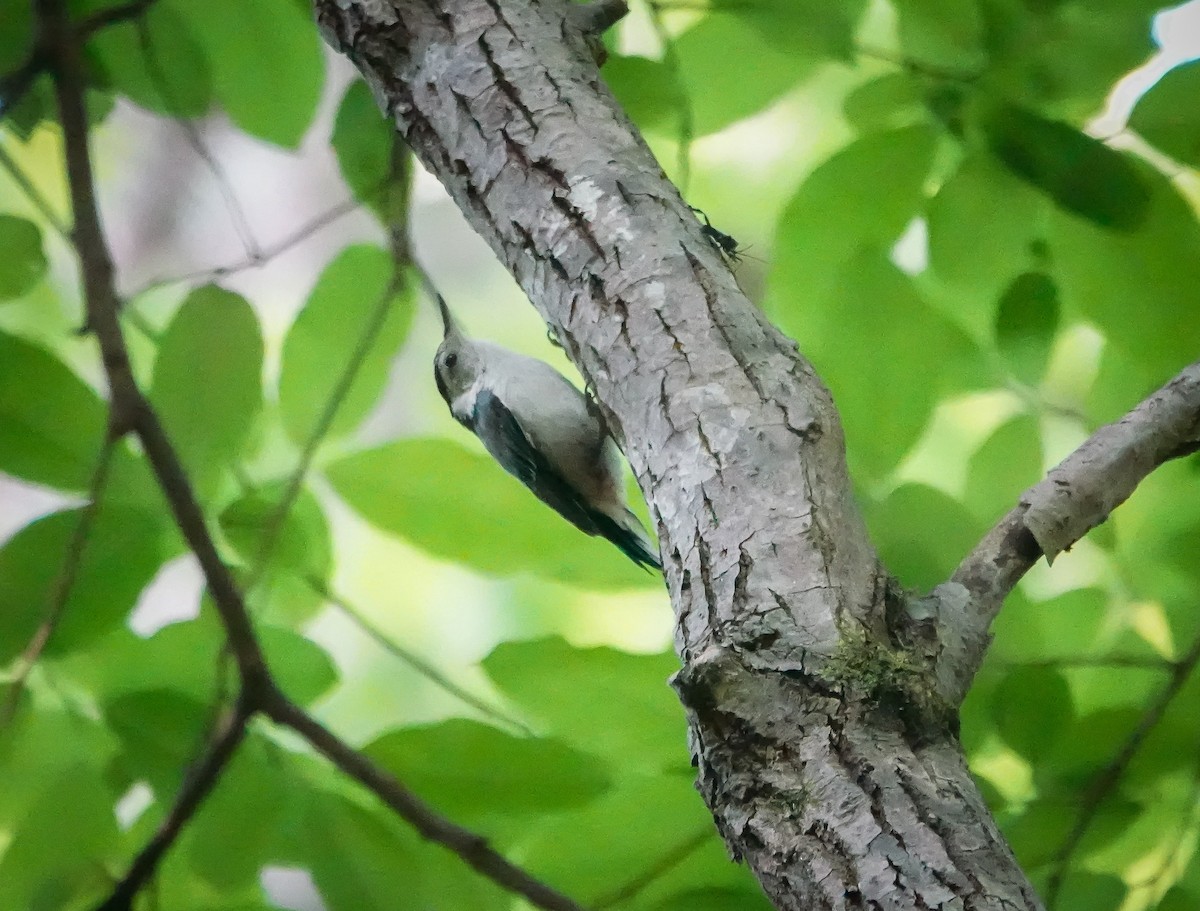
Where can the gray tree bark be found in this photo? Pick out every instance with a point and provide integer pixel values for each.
(825, 741)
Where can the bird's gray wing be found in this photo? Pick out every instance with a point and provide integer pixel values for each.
(504, 438)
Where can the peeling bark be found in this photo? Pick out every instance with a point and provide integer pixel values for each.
(824, 750)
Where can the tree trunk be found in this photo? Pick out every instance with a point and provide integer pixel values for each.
(826, 750)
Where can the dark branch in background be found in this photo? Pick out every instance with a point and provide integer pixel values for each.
(199, 780)
(1110, 776)
(414, 661)
(398, 189)
(471, 847)
(1074, 498)
(15, 84)
(131, 412)
(659, 869)
(64, 583)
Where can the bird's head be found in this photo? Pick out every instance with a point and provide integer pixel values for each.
(456, 363)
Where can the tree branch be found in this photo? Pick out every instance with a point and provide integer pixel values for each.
(199, 781)
(132, 412)
(1110, 776)
(64, 582)
(1074, 497)
(468, 845)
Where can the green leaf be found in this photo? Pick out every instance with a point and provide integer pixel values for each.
(1080, 173)
(325, 336)
(360, 860)
(208, 382)
(49, 864)
(51, 423)
(461, 506)
(885, 103)
(944, 32)
(638, 724)
(860, 199)
(1066, 627)
(238, 828)
(1091, 892)
(1032, 707)
(641, 823)
(921, 533)
(882, 420)
(302, 543)
(722, 96)
(124, 550)
(16, 38)
(1065, 55)
(1026, 323)
(1007, 463)
(302, 668)
(983, 198)
(1037, 834)
(1179, 899)
(24, 262)
(267, 63)
(161, 731)
(1136, 287)
(469, 770)
(167, 72)
(647, 89)
(1166, 117)
(804, 28)
(363, 140)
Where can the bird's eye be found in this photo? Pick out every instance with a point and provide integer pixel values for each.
(451, 360)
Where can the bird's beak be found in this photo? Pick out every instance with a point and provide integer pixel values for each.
(449, 326)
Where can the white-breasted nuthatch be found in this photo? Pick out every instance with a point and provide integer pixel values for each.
(539, 427)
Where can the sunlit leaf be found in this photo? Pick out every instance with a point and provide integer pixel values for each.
(351, 296)
(462, 506)
(1166, 115)
(123, 551)
(267, 63)
(363, 140)
(860, 199)
(1032, 707)
(208, 381)
(23, 263)
(51, 423)
(492, 772)
(638, 724)
(1026, 321)
(1008, 462)
(156, 62)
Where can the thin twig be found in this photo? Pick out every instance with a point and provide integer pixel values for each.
(265, 255)
(1108, 778)
(199, 781)
(64, 582)
(687, 119)
(414, 661)
(398, 188)
(660, 868)
(470, 846)
(237, 215)
(131, 411)
(36, 199)
(1073, 498)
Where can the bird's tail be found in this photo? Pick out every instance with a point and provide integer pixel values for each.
(630, 538)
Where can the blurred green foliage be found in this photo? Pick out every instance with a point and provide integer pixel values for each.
(980, 281)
